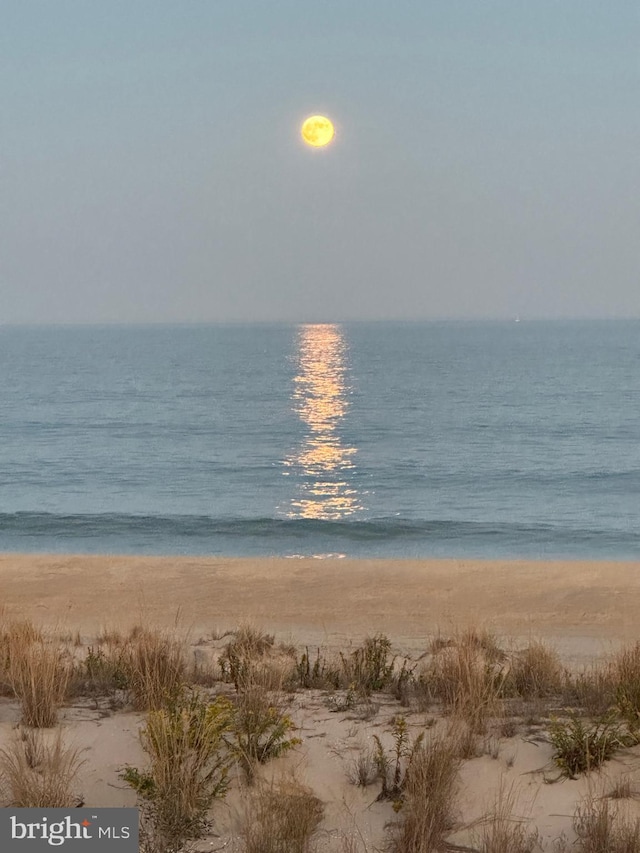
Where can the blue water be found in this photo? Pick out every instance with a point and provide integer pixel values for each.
(435, 439)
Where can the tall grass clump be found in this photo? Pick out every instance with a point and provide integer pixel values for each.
(188, 768)
(281, 818)
(38, 674)
(251, 659)
(154, 667)
(593, 689)
(35, 773)
(427, 813)
(102, 672)
(601, 829)
(370, 666)
(536, 672)
(260, 730)
(468, 678)
(502, 832)
(317, 671)
(624, 674)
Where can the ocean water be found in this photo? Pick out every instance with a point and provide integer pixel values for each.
(381, 440)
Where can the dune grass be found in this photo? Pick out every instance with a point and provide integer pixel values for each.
(601, 829)
(188, 770)
(428, 807)
(281, 817)
(39, 773)
(198, 743)
(38, 674)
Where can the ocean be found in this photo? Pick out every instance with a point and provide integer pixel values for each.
(444, 439)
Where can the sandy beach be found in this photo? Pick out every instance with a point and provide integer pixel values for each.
(579, 604)
(584, 610)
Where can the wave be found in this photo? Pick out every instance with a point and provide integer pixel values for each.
(167, 528)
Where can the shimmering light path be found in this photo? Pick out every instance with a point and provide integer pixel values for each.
(322, 463)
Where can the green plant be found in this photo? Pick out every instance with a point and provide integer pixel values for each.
(580, 746)
(259, 730)
(101, 672)
(188, 767)
(320, 674)
(369, 666)
(393, 766)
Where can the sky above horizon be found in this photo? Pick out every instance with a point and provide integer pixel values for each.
(486, 160)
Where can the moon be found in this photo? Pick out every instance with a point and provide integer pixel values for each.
(317, 131)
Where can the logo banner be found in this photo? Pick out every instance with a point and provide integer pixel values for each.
(69, 830)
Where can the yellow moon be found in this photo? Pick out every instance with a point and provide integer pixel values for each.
(317, 131)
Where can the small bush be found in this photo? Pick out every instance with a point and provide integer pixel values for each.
(393, 766)
(370, 666)
(580, 746)
(35, 773)
(188, 770)
(282, 818)
(102, 672)
(319, 674)
(259, 730)
(622, 789)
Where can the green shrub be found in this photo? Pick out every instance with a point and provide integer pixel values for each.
(101, 672)
(369, 667)
(580, 746)
(188, 769)
(393, 766)
(319, 674)
(259, 730)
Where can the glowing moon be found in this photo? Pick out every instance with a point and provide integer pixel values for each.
(317, 131)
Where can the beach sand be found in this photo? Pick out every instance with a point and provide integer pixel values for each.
(581, 605)
(584, 609)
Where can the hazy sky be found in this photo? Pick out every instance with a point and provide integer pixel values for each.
(486, 161)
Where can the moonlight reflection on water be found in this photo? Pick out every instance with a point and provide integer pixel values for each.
(322, 463)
